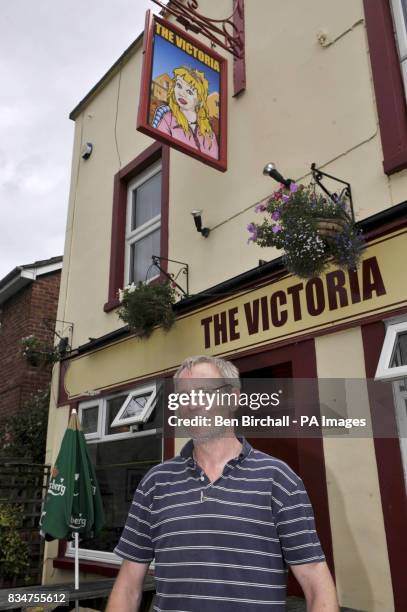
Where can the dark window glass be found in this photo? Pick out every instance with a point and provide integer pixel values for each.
(120, 465)
(89, 419)
(400, 351)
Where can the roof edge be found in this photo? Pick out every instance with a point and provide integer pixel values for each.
(113, 70)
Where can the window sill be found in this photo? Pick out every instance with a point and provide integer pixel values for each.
(396, 163)
(111, 305)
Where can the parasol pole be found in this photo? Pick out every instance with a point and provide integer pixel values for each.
(76, 536)
(76, 567)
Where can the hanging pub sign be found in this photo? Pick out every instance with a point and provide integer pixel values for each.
(183, 98)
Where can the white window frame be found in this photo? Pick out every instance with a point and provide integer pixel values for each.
(147, 410)
(384, 371)
(100, 436)
(133, 236)
(400, 399)
(400, 26)
(91, 404)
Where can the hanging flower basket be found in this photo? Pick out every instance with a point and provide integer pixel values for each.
(311, 231)
(144, 306)
(37, 352)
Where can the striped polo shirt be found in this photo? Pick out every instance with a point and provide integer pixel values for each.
(221, 546)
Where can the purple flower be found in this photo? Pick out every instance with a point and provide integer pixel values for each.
(277, 228)
(260, 207)
(286, 198)
(253, 230)
(276, 215)
(293, 187)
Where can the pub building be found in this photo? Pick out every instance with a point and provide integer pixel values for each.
(332, 97)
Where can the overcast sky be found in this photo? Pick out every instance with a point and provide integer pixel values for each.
(51, 54)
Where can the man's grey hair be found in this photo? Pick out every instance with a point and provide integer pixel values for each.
(226, 369)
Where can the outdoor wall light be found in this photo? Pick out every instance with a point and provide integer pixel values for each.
(86, 150)
(271, 170)
(197, 215)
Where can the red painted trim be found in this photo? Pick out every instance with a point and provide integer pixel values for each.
(169, 448)
(118, 234)
(311, 459)
(389, 464)
(143, 124)
(388, 84)
(239, 64)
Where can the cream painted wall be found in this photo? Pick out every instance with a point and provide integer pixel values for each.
(358, 534)
(303, 103)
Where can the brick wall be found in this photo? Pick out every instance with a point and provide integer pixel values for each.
(21, 316)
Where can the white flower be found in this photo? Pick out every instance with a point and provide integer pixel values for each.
(131, 288)
(121, 293)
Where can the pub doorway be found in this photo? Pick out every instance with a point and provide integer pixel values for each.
(304, 455)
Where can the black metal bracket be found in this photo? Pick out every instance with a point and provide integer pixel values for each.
(63, 345)
(156, 259)
(222, 32)
(318, 175)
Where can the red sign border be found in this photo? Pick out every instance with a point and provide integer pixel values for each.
(143, 110)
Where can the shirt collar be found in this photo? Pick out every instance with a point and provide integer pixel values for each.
(186, 451)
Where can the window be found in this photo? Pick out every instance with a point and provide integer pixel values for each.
(121, 454)
(137, 407)
(139, 220)
(393, 358)
(392, 367)
(400, 22)
(143, 222)
(387, 77)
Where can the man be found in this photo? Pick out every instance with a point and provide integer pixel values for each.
(222, 521)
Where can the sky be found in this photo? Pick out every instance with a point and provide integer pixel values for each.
(52, 52)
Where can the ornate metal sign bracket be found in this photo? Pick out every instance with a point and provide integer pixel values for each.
(228, 33)
(318, 175)
(171, 277)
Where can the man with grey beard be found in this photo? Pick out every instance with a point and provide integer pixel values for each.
(222, 521)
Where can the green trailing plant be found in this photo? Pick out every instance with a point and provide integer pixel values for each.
(14, 553)
(144, 306)
(311, 230)
(24, 434)
(37, 352)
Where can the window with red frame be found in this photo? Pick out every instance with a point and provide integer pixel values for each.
(139, 220)
(388, 81)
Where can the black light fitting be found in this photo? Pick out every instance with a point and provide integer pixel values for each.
(197, 215)
(271, 170)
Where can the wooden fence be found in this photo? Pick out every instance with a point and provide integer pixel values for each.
(25, 484)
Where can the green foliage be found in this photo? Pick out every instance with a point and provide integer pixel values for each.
(13, 550)
(24, 434)
(37, 352)
(143, 306)
(293, 223)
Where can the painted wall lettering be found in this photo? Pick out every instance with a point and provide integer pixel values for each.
(334, 291)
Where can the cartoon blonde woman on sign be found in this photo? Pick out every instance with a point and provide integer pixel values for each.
(185, 117)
